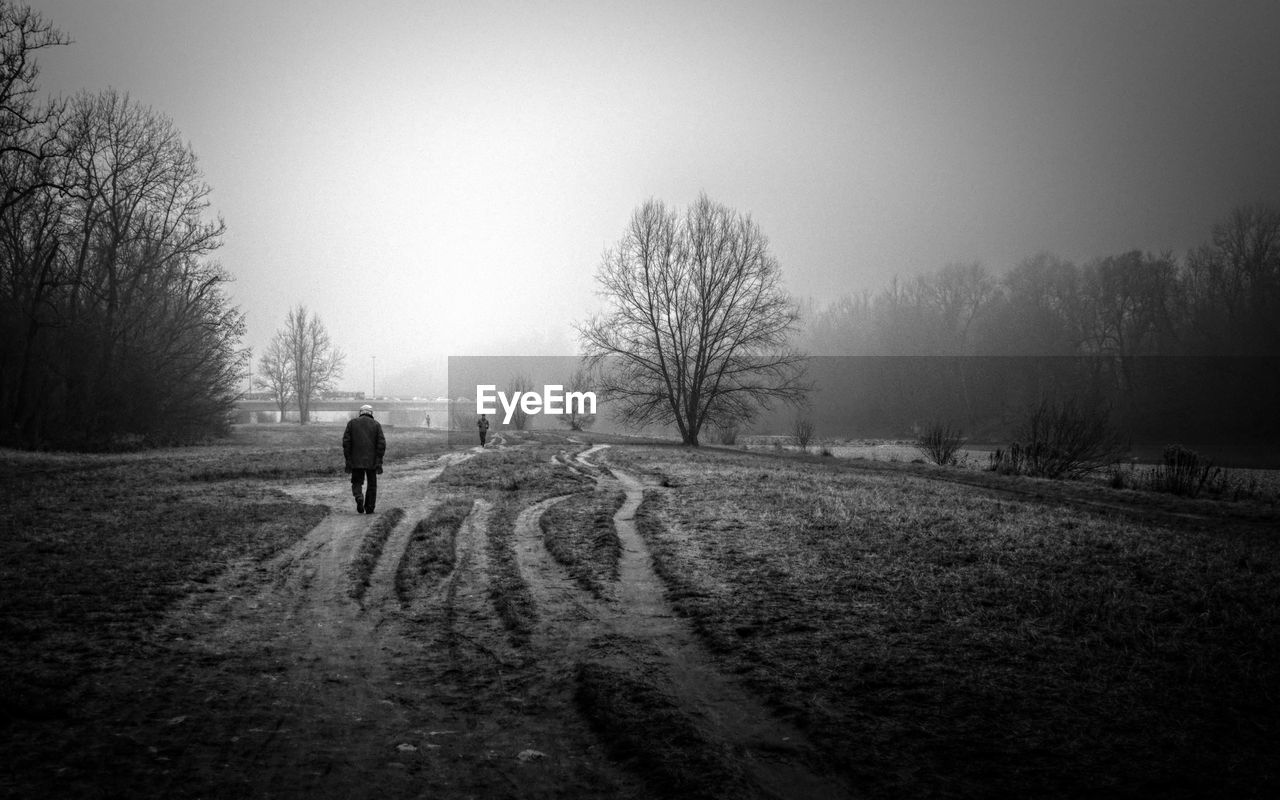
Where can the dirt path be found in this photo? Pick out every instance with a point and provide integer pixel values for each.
(296, 695)
(274, 682)
(576, 626)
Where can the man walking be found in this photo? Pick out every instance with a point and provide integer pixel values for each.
(362, 446)
(483, 425)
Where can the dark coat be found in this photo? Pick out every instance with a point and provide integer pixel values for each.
(363, 443)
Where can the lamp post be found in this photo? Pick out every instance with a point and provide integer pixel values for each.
(375, 376)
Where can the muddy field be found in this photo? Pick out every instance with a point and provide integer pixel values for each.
(563, 617)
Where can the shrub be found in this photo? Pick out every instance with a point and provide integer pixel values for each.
(1116, 477)
(1061, 440)
(940, 443)
(1184, 472)
(727, 433)
(1005, 460)
(802, 432)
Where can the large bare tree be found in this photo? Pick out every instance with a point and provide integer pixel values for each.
(698, 324)
(315, 363)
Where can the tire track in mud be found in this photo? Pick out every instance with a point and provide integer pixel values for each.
(464, 596)
(578, 628)
(512, 710)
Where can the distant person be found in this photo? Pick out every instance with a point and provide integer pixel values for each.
(362, 446)
(483, 425)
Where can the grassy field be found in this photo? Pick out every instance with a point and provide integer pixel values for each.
(932, 635)
(942, 639)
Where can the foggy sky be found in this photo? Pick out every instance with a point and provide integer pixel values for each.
(441, 179)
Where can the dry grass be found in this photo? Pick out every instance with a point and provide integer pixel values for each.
(269, 452)
(93, 549)
(526, 470)
(945, 641)
(1259, 504)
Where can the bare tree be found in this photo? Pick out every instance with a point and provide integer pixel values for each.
(28, 129)
(30, 220)
(140, 227)
(1062, 439)
(699, 324)
(802, 428)
(315, 363)
(275, 372)
(515, 388)
(1127, 304)
(109, 288)
(574, 416)
(960, 293)
(940, 442)
(1235, 284)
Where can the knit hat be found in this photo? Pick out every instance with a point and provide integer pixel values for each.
(366, 409)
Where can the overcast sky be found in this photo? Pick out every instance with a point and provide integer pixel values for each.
(441, 178)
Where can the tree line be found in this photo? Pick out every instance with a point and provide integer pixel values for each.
(1172, 346)
(116, 327)
(1222, 299)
